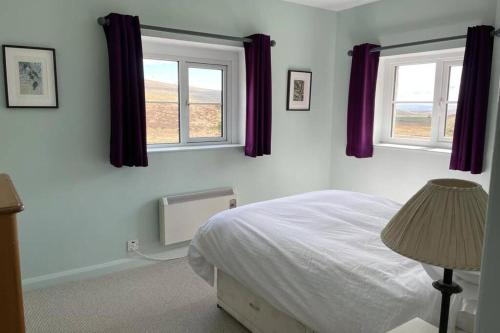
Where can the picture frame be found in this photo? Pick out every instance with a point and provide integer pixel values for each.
(299, 90)
(30, 77)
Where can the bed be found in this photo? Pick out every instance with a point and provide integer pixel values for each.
(312, 262)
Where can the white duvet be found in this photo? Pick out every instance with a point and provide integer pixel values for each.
(318, 257)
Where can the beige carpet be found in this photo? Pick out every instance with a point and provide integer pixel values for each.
(164, 297)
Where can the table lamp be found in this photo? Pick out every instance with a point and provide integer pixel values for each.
(441, 225)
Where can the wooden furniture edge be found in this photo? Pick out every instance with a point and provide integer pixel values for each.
(9, 199)
(11, 307)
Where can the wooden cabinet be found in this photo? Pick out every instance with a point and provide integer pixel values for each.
(11, 296)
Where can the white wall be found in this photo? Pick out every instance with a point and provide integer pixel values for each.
(80, 210)
(399, 173)
(488, 318)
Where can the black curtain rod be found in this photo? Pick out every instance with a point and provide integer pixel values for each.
(495, 33)
(104, 21)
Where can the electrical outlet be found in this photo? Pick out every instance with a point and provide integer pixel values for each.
(232, 203)
(132, 245)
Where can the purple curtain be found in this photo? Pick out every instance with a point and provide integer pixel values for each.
(361, 104)
(472, 107)
(126, 80)
(259, 96)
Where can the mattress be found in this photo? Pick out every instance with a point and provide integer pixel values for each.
(318, 257)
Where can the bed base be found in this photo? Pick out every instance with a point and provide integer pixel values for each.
(252, 311)
(258, 316)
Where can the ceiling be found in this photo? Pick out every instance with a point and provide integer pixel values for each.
(332, 4)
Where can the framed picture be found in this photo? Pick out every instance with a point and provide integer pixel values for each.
(299, 91)
(30, 77)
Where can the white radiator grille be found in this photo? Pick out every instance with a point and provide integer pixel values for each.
(182, 214)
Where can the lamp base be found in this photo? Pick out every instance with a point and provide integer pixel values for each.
(447, 288)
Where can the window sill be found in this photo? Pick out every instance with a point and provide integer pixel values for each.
(193, 147)
(438, 150)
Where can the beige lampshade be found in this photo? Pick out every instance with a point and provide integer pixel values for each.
(441, 225)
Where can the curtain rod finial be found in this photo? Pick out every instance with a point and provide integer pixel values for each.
(349, 53)
(273, 43)
(102, 21)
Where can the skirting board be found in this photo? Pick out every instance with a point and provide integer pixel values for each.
(92, 271)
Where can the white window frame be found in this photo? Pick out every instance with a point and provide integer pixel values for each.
(444, 60)
(218, 66)
(229, 59)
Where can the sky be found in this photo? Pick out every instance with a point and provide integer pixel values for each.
(166, 71)
(416, 83)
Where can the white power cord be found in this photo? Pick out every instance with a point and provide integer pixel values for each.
(145, 256)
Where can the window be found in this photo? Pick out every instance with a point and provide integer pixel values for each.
(419, 98)
(161, 81)
(206, 102)
(191, 94)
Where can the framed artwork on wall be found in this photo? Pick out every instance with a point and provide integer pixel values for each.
(30, 77)
(299, 91)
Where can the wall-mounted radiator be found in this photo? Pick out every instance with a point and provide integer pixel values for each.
(182, 214)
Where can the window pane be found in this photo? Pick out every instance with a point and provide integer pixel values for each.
(451, 112)
(412, 120)
(205, 121)
(162, 101)
(454, 84)
(205, 103)
(415, 83)
(162, 121)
